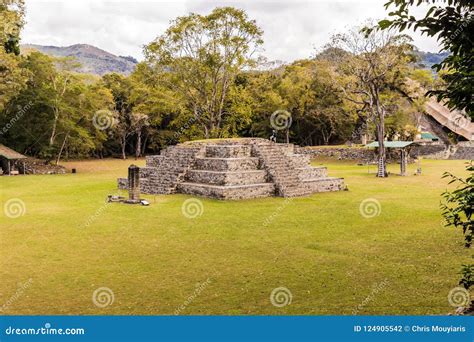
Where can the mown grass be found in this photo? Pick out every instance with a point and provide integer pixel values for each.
(229, 259)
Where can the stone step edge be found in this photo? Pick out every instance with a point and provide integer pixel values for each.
(322, 179)
(312, 167)
(226, 146)
(225, 187)
(227, 172)
(218, 158)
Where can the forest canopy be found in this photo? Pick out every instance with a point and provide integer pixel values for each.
(206, 77)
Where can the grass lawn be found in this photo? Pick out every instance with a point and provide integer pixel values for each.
(155, 260)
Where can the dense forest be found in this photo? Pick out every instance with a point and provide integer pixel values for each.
(205, 77)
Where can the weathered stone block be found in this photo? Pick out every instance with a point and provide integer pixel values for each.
(228, 151)
(227, 164)
(226, 178)
(234, 192)
(306, 173)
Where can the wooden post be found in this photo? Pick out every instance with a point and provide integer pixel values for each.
(9, 169)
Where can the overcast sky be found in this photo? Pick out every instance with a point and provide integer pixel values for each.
(292, 29)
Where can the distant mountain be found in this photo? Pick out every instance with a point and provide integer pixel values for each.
(428, 59)
(92, 59)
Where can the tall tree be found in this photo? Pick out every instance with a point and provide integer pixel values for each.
(61, 81)
(121, 88)
(319, 114)
(376, 64)
(203, 55)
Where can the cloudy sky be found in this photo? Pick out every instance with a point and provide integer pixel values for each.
(292, 29)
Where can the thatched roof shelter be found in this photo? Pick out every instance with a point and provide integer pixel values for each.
(10, 154)
(8, 157)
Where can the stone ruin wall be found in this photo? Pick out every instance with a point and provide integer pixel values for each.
(462, 151)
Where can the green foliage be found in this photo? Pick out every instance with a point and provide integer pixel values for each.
(315, 102)
(467, 272)
(12, 14)
(452, 23)
(199, 58)
(12, 78)
(54, 112)
(202, 79)
(458, 205)
(423, 76)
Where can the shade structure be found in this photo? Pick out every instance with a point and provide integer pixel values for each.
(403, 153)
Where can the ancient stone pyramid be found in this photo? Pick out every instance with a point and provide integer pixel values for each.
(233, 169)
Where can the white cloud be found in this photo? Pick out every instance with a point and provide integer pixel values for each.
(292, 28)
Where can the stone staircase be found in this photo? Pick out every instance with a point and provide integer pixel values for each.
(291, 172)
(233, 169)
(281, 170)
(227, 172)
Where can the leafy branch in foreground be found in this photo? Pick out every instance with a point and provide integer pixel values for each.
(458, 205)
(467, 272)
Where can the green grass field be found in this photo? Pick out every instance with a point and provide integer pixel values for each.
(155, 260)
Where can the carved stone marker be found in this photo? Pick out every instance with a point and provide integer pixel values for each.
(133, 184)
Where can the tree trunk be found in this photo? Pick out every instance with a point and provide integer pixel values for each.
(138, 146)
(62, 148)
(123, 143)
(144, 143)
(53, 131)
